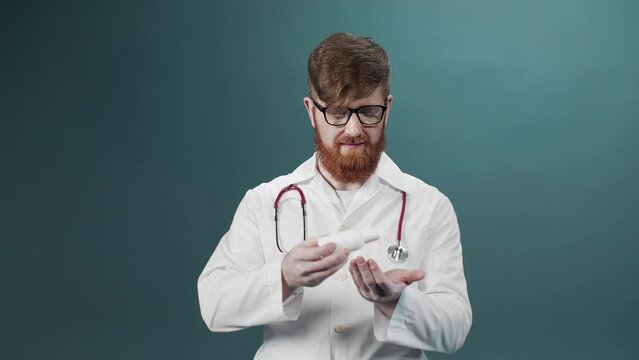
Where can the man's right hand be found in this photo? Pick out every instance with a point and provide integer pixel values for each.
(308, 265)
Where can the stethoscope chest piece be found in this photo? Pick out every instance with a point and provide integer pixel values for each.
(397, 253)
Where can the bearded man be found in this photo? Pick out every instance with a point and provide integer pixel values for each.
(395, 298)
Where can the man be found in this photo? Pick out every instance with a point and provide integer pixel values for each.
(394, 298)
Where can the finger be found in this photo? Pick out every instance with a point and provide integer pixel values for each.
(356, 275)
(367, 276)
(405, 276)
(380, 278)
(318, 274)
(357, 279)
(310, 243)
(336, 259)
(310, 253)
(375, 270)
(414, 275)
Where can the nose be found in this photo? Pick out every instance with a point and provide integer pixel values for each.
(353, 127)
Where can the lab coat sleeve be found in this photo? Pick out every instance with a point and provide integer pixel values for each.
(433, 314)
(237, 288)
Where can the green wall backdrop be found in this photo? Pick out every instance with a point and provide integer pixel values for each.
(130, 130)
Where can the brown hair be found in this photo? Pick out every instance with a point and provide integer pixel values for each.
(345, 67)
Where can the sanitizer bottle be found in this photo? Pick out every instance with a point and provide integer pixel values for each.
(351, 239)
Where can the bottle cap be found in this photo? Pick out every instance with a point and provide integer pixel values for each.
(370, 235)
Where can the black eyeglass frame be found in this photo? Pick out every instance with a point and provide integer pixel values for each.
(322, 109)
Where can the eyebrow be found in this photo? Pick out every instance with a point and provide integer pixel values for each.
(359, 106)
(385, 103)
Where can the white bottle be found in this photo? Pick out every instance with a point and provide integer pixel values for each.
(351, 239)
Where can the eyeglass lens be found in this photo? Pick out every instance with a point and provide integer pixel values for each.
(367, 114)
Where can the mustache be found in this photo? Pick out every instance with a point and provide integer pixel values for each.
(352, 140)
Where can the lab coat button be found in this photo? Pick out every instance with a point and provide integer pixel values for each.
(339, 328)
(342, 276)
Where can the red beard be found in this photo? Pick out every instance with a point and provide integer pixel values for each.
(354, 167)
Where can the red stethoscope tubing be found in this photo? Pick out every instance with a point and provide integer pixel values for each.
(303, 203)
(277, 201)
(401, 219)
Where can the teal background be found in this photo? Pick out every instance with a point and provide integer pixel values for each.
(130, 130)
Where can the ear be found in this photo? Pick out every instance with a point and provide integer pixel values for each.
(308, 104)
(389, 104)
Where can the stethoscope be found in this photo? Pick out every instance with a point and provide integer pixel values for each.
(396, 252)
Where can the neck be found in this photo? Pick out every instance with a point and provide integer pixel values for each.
(337, 185)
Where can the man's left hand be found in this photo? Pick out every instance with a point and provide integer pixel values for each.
(381, 288)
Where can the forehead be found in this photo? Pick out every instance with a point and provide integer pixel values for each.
(374, 98)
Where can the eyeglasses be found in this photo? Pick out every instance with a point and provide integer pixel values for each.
(369, 115)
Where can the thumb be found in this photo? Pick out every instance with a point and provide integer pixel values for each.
(414, 275)
(312, 242)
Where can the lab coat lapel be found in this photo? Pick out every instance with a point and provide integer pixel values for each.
(369, 189)
(323, 187)
(388, 172)
(308, 170)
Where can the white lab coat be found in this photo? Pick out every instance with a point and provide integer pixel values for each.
(241, 283)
